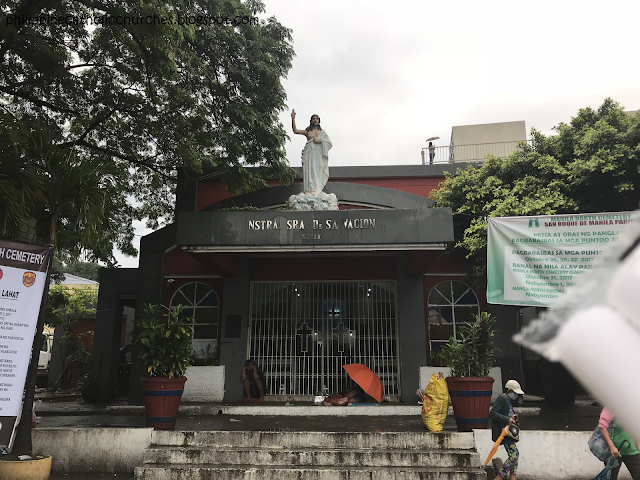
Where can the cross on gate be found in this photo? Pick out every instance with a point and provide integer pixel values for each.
(333, 313)
(305, 333)
(343, 334)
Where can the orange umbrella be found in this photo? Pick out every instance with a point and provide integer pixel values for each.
(494, 449)
(366, 378)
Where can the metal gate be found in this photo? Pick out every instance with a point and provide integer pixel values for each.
(302, 333)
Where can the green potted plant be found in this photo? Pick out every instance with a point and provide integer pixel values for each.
(89, 388)
(161, 342)
(470, 359)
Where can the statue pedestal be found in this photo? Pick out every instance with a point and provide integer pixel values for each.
(313, 201)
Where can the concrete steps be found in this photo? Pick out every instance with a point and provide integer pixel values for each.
(250, 455)
(293, 439)
(263, 472)
(309, 456)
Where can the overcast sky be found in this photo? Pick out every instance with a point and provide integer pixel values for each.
(385, 76)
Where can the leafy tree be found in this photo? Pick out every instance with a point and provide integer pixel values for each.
(132, 102)
(65, 308)
(100, 116)
(591, 165)
(64, 263)
(18, 182)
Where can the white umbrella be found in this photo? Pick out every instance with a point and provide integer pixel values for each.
(432, 138)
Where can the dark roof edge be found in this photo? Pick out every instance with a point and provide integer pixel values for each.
(379, 171)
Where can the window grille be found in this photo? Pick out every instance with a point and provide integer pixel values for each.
(302, 333)
(200, 302)
(451, 304)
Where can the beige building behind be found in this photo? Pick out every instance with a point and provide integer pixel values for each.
(472, 143)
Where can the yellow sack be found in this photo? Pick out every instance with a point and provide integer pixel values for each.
(435, 403)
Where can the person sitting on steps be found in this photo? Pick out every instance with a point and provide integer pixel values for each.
(253, 383)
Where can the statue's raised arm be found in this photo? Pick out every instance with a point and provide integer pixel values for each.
(293, 124)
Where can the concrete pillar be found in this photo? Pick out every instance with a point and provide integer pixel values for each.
(411, 328)
(149, 291)
(115, 283)
(508, 357)
(233, 340)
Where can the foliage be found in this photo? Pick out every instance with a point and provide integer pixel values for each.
(473, 354)
(75, 201)
(162, 341)
(63, 263)
(88, 380)
(206, 356)
(77, 354)
(65, 308)
(106, 113)
(18, 183)
(89, 387)
(245, 208)
(591, 165)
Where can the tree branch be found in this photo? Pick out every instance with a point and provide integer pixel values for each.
(146, 54)
(80, 65)
(97, 65)
(113, 153)
(93, 125)
(40, 103)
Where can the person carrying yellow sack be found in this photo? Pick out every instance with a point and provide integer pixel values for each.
(435, 403)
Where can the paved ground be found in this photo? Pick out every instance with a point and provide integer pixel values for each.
(91, 476)
(72, 412)
(581, 416)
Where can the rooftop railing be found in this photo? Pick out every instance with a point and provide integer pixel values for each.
(469, 153)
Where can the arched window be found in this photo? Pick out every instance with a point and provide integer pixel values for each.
(451, 304)
(200, 302)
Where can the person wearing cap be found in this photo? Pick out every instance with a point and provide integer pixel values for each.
(501, 415)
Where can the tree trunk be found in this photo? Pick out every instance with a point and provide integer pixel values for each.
(52, 229)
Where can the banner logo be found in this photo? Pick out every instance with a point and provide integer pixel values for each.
(533, 222)
(29, 278)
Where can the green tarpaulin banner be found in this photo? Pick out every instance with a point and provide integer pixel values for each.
(533, 260)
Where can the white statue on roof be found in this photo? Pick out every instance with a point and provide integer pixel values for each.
(315, 168)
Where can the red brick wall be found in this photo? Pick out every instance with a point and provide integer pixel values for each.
(211, 191)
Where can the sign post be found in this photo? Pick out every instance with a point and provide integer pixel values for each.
(24, 280)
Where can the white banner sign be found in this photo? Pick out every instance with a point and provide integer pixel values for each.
(22, 280)
(532, 260)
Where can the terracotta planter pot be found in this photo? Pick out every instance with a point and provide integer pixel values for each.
(161, 400)
(471, 399)
(37, 469)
